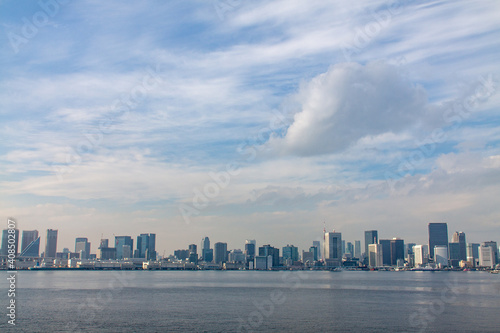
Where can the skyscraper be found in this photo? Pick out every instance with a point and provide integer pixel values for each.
(333, 249)
(220, 252)
(124, 246)
(51, 243)
(28, 237)
(206, 254)
(146, 247)
(421, 255)
(5, 241)
(397, 250)
(250, 249)
(438, 236)
(290, 252)
(371, 237)
(459, 237)
(375, 258)
(32, 250)
(317, 245)
(268, 250)
(494, 246)
(454, 253)
(82, 246)
(357, 249)
(386, 251)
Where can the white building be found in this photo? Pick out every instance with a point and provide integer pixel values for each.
(441, 255)
(375, 255)
(421, 253)
(486, 256)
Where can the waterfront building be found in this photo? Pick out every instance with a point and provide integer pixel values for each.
(371, 237)
(32, 250)
(82, 246)
(268, 250)
(459, 237)
(250, 249)
(308, 256)
(182, 254)
(473, 254)
(146, 247)
(28, 237)
(375, 255)
(315, 252)
(220, 252)
(120, 243)
(386, 252)
(5, 242)
(349, 249)
(263, 262)
(441, 255)
(421, 255)
(206, 253)
(290, 252)
(51, 244)
(494, 246)
(333, 249)
(107, 253)
(486, 256)
(193, 248)
(357, 249)
(438, 236)
(317, 245)
(397, 251)
(236, 256)
(454, 254)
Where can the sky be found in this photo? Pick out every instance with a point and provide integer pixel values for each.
(266, 120)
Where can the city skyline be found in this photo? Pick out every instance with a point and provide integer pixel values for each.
(388, 244)
(243, 121)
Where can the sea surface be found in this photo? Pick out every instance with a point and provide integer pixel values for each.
(244, 301)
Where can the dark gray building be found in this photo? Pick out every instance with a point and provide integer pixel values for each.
(51, 244)
(438, 235)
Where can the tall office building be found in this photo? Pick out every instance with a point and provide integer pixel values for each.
(193, 248)
(5, 241)
(250, 249)
(206, 253)
(494, 246)
(371, 237)
(51, 244)
(454, 254)
(375, 258)
(32, 250)
(421, 255)
(124, 246)
(349, 249)
(28, 237)
(146, 247)
(473, 253)
(386, 251)
(397, 251)
(268, 250)
(333, 249)
(486, 256)
(82, 246)
(441, 255)
(290, 252)
(459, 237)
(317, 245)
(357, 249)
(438, 236)
(220, 252)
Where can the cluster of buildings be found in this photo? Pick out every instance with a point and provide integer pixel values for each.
(333, 253)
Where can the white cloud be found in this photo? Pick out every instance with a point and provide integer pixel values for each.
(350, 102)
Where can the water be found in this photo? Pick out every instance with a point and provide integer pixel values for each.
(218, 301)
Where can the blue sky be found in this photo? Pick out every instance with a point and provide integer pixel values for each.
(250, 120)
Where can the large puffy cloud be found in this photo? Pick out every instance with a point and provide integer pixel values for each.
(348, 102)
